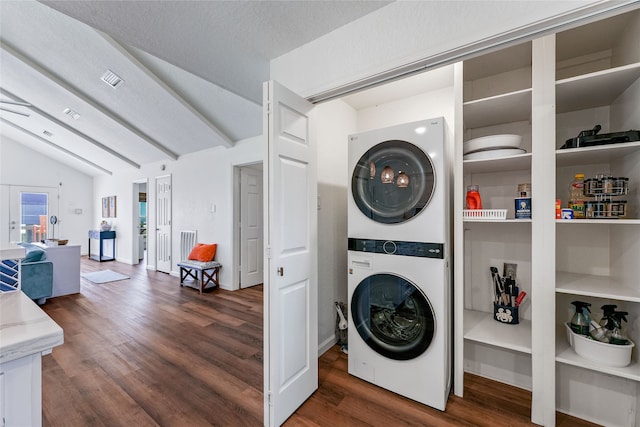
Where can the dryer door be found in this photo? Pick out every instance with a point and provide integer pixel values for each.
(393, 182)
(393, 316)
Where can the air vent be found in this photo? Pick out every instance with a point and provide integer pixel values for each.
(72, 113)
(112, 79)
(47, 133)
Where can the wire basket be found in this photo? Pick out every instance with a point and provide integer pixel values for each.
(484, 214)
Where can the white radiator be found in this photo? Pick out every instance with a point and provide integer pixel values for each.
(187, 242)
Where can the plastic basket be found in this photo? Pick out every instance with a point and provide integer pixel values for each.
(484, 214)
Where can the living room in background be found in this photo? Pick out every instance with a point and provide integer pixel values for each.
(29, 211)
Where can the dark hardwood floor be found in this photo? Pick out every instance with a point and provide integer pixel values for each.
(147, 352)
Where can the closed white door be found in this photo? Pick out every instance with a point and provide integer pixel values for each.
(251, 230)
(291, 292)
(163, 224)
(25, 213)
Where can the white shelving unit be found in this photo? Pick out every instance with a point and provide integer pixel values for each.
(595, 260)
(556, 87)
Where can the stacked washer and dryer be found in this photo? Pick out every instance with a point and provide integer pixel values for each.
(399, 246)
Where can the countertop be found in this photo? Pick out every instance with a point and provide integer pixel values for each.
(24, 328)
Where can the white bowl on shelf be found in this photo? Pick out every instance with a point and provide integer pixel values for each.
(605, 354)
(494, 154)
(492, 142)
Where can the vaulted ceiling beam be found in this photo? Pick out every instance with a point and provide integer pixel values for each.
(72, 130)
(228, 142)
(57, 147)
(85, 98)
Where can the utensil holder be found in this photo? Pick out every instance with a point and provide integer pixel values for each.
(506, 314)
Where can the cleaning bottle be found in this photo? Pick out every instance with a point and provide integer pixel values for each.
(607, 311)
(473, 197)
(576, 196)
(598, 333)
(617, 335)
(579, 322)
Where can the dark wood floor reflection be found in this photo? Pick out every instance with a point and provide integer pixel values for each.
(147, 352)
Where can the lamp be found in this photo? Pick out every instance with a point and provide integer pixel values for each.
(387, 175)
(403, 180)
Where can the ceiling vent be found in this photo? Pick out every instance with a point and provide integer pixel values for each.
(112, 79)
(72, 113)
(47, 133)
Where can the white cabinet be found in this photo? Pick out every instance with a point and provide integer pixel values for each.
(21, 391)
(548, 91)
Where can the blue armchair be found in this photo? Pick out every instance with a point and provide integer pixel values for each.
(36, 274)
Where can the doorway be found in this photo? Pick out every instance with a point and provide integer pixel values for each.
(139, 222)
(248, 230)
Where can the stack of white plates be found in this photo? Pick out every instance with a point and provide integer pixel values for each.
(492, 147)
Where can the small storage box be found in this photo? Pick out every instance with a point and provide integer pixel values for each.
(505, 314)
(602, 353)
(484, 214)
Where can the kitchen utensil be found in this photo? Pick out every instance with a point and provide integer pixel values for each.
(492, 142)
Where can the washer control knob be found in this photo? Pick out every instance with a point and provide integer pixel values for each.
(389, 247)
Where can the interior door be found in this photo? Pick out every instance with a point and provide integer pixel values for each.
(163, 224)
(251, 229)
(290, 302)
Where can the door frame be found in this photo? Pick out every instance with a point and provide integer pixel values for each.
(235, 238)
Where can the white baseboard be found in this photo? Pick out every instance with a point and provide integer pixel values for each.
(323, 347)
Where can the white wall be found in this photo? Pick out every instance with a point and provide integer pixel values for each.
(199, 181)
(20, 165)
(334, 121)
(401, 33)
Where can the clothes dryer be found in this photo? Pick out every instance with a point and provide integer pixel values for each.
(399, 183)
(399, 330)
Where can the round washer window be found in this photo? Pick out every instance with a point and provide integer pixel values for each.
(393, 316)
(393, 182)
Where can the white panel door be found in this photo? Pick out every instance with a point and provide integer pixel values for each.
(163, 224)
(290, 311)
(251, 230)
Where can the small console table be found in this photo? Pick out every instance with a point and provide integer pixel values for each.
(102, 236)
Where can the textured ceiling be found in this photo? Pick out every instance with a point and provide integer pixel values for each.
(192, 72)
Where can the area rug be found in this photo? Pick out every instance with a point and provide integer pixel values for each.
(104, 276)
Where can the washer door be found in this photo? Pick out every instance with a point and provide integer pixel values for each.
(393, 182)
(393, 316)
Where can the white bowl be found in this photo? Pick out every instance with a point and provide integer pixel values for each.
(492, 142)
(602, 353)
(493, 154)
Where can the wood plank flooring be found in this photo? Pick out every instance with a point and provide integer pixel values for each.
(147, 352)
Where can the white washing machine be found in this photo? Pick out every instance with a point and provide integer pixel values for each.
(399, 246)
(399, 323)
(399, 185)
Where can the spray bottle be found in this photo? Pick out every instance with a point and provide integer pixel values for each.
(579, 322)
(617, 336)
(607, 311)
(598, 333)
